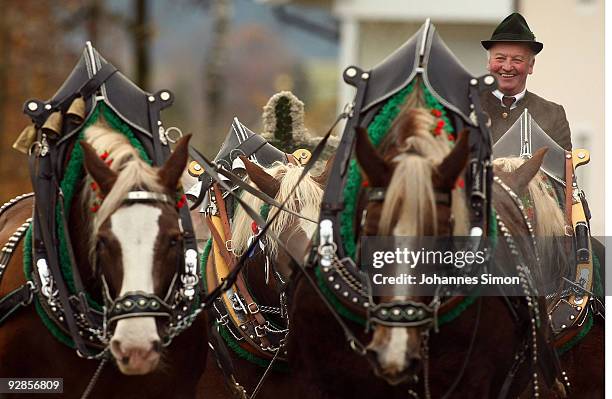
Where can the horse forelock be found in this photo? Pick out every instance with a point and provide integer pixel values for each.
(307, 201)
(411, 185)
(133, 173)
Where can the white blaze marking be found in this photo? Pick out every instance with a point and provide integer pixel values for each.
(136, 228)
(394, 353)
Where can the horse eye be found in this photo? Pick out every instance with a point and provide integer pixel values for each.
(101, 244)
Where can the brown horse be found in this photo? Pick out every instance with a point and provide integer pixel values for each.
(125, 231)
(470, 356)
(582, 362)
(267, 271)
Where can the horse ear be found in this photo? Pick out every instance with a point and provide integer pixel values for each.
(102, 174)
(322, 178)
(520, 178)
(377, 171)
(171, 171)
(452, 166)
(261, 178)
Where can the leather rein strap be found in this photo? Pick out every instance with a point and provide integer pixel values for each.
(569, 180)
(214, 170)
(46, 189)
(253, 314)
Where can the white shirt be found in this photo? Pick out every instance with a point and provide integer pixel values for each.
(518, 97)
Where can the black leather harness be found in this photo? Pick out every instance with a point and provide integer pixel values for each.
(94, 80)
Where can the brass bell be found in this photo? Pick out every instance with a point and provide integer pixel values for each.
(25, 139)
(77, 109)
(53, 125)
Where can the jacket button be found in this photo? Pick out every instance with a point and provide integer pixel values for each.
(504, 115)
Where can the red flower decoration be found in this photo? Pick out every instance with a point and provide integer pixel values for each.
(94, 208)
(436, 112)
(365, 184)
(254, 227)
(460, 183)
(94, 186)
(109, 162)
(104, 155)
(438, 131)
(451, 137)
(440, 124)
(181, 202)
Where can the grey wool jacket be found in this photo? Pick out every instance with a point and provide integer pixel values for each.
(550, 116)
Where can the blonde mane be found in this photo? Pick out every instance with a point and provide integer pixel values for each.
(410, 193)
(308, 196)
(549, 222)
(132, 171)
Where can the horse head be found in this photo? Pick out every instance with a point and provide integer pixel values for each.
(524, 179)
(414, 179)
(136, 242)
(294, 232)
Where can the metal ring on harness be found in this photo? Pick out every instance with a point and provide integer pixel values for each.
(172, 129)
(31, 292)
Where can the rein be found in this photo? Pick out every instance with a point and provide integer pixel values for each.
(215, 170)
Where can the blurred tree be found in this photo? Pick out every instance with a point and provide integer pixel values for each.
(94, 11)
(216, 58)
(141, 30)
(35, 61)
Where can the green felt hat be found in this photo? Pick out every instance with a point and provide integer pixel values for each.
(514, 29)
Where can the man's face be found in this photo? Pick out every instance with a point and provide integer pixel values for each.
(510, 63)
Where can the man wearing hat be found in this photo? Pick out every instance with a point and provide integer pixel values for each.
(512, 50)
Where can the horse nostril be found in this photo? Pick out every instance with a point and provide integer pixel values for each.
(157, 346)
(125, 360)
(116, 347)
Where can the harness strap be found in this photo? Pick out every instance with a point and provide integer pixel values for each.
(223, 214)
(45, 187)
(237, 181)
(224, 362)
(252, 310)
(20, 297)
(93, 84)
(569, 180)
(231, 277)
(248, 147)
(479, 172)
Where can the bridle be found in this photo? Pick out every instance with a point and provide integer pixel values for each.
(406, 313)
(180, 302)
